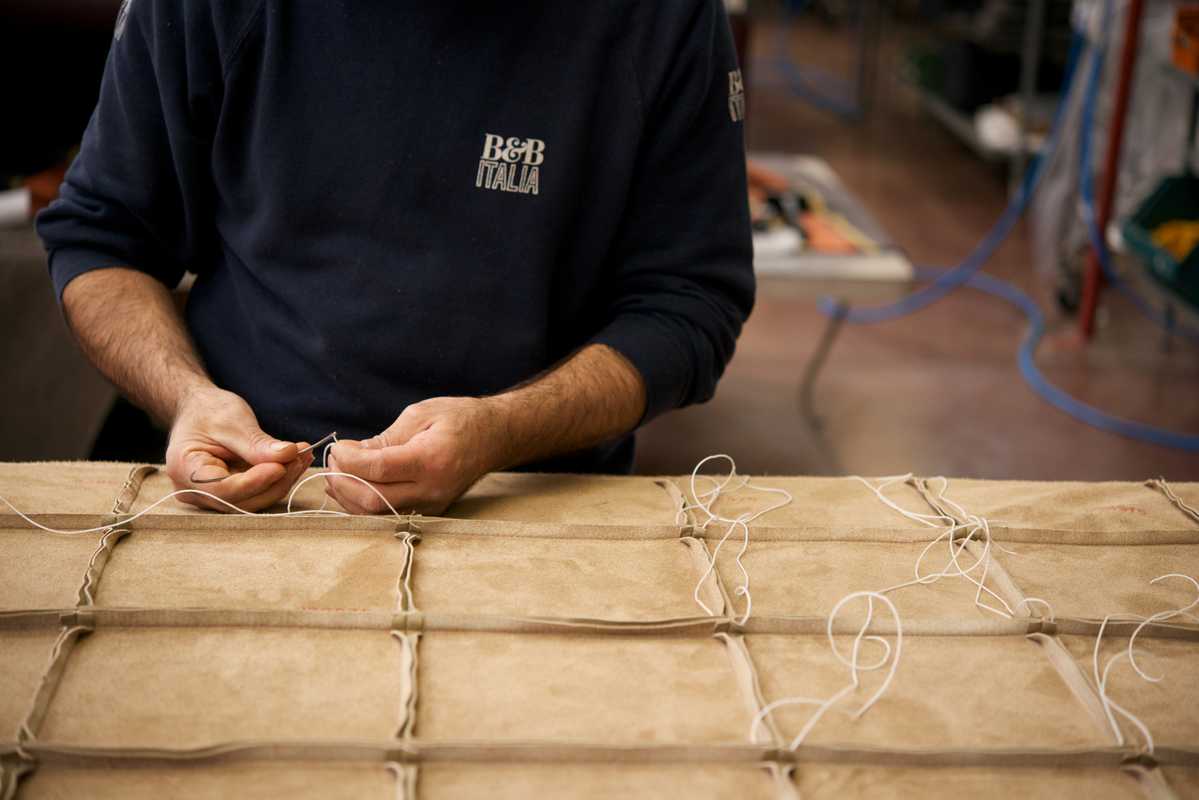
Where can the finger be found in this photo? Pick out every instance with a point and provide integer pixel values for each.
(331, 492)
(203, 467)
(267, 496)
(358, 499)
(279, 490)
(332, 484)
(252, 445)
(379, 464)
(358, 496)
(404, 498)
(334, 487)
(242, 485)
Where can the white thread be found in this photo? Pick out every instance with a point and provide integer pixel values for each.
(817, 715)
(404, 601)
(1110, 705)
(1030, 600)
(398, 771)
(974, 526)
(770, 707)
(325, 463)
(704, 502)
(1160, 483)
(1160, 616)
(852, 662)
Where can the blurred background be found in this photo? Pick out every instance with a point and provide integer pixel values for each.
(889, 140)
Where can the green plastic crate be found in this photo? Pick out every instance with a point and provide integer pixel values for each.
(1174, 198)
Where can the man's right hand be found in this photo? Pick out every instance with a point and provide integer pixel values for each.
(130, 327)
(216, 435)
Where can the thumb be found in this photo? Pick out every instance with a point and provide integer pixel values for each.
(254, 446)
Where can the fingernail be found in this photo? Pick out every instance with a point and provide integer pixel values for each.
(279, 447)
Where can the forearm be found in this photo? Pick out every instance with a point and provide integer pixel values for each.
(594, 396)
(438, 447)
(128, 326)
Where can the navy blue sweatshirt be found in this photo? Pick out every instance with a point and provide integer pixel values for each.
(389, 201)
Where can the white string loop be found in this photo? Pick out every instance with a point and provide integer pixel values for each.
(704, 501)
(1110, 706)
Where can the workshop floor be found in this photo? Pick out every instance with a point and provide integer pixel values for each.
(938, 392)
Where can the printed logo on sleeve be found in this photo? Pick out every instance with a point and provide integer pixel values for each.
(736, 96)
(511, 164)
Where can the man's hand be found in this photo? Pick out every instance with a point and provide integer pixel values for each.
(216, 435)
(439, 447)
(428, 457)
(129, 326)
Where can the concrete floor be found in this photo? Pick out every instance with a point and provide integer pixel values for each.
(938, 392)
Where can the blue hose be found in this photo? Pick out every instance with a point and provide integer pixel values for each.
(1052, 394)
(800, 80)
(977, 259)
(968, 273)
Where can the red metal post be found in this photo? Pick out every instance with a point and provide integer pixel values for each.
(1111, 167)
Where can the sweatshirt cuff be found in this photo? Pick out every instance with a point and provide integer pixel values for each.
(651, 347)
(68, 263)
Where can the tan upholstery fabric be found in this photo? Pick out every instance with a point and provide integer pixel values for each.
(566, 498)
(621, 580)
(60, 488)
(1170, 708)
(541, 639)
(808, 578)
(1115, 578)
(833, 508)
(158, 687)
(1185, 781)
(253, 569)
(623, 690)
(940, 697)
(1038, 511)
(820, 782)
(257, 781)
(502, 782)
(23, 658)
(41, 571)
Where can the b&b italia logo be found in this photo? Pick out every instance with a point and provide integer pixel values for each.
(736, 96)
(511, 164)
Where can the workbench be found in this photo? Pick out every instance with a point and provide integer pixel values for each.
(543, 638)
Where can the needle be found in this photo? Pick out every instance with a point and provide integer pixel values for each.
(323, 440)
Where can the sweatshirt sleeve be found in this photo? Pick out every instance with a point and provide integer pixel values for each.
(138, 193)
(684, 282)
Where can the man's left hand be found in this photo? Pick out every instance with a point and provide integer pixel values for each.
(429, 456)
